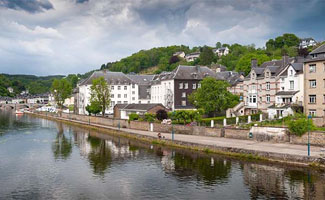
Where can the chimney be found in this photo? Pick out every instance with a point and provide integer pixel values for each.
(285, 60)
(254, 63)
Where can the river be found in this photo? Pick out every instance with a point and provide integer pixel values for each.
(43, 159)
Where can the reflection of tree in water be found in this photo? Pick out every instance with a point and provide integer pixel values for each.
(62, 146)
(210, 172)
(100, 157)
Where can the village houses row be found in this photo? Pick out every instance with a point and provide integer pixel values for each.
(273, 87)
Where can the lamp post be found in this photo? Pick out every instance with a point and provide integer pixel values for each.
(173, 114)
(309, 117)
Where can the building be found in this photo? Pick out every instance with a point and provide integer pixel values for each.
(172, 89)
(10, 89)
(122, 111)
(307, 42)
(124, 89)
(314, 67)
(192, 56)
(180, 54)
(223, 51)
(269, 84)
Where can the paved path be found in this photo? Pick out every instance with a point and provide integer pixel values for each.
(279, 148)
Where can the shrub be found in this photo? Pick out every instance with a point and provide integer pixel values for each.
(133, 116)
(300, 126)
(149, 117)
(161, 114)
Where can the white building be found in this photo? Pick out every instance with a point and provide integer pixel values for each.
(192, 56)
(124, 89)
(307, 42)
(223, 51)
(180, 54)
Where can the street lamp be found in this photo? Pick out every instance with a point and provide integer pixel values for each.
(173, 114)
(309, 117)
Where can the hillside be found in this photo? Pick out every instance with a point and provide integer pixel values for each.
(160, 59)
(35, 84)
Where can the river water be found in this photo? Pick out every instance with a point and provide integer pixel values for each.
(42, 159)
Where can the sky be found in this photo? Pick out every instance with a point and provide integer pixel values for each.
(50, 37)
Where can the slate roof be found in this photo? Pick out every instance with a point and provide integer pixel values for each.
(138, 107)
(141, 79)
(112, 78)
(320, 49)
(286, 92)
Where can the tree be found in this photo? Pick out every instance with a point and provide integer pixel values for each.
(61, 90)
(206, 56)
(94, 108)
(244, 63)
(161, 114)
(218, 45)
(100, 93)
(213, 96)
(173, 59)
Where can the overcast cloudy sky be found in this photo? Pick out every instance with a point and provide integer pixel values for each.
(45, 37)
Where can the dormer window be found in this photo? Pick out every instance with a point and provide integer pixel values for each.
(253, 75)
(267, 74)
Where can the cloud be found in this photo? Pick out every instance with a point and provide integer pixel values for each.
(31, 6)
(78, 36)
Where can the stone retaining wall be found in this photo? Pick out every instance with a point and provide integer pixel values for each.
(236, 133)
(315, 138)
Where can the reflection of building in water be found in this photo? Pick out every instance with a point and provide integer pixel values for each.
(275, 182)
(167, 161)
(118, 150)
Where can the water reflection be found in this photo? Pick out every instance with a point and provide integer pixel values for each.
(100, 166)
(62, 145)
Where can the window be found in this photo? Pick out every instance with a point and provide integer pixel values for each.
(125, 96)
(261, 99)
(183, 103)
(261, 87)
(119, 87)
(253, 75)
(312, 83)
(133, 92)
(312, 68)
(119, 102)
(148, 101)
(139, 102)
(252, 99)
(241, 87)
(312, 112)
(291, 72)
(312, 99)
(133, 98)
(125, 87)
(119, 96)
(292, 85)
(199, 85)
(186, 86)
(268, 98)
(181, 86)
(253, 87)
(268, 86)
(125, 102)
(112, 103)
(183, 94)
(112, 87)
(133, 86)
(267, 74)
(112, 95)
(194, 86)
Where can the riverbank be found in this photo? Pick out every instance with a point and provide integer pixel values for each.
(275, 152)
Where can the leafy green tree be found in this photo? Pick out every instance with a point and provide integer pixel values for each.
(133, 116)
(218, 45)
(100, 93)
(244, 63)
(300, 126)
(213, 96)
(206, 56)
(61, 90)
(73, 79)
(94, 108)
(182, 115)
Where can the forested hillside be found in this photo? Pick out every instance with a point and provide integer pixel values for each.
(238, 59)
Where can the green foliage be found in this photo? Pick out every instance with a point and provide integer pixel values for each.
(61, 90)
(149, 117)
(187, 115)
(100, 93)
(300, 126)
(213, 96)
(133, 116)
(161, 114)
(287, 39)
(206, 56)
(244, 63)
(145, 59)
(94, 108)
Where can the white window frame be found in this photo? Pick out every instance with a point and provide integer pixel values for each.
(181, 86)
(268, 98)
(312, 83)
(199, 85)
(125, 87)
(268, 85)
(183, 94)
(184, 103)
(194, 86)
(312, 112)
(125, 96)
(185, 85)
(312, 68)
(292, 85)
(312, 99)
(119, 87)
